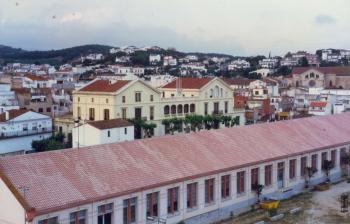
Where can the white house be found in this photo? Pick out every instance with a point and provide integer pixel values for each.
(154, 58)
(270, 63)
(238, 64)
(18, 128)
(34, 81)
(8, 99)
(102, 132)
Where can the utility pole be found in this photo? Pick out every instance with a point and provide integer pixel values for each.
(76, 121)
(24, 189)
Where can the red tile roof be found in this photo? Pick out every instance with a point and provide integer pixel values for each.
(36, 78)
(12, 114)
(104, 86)
(72, 177)
(243, 82)
(107, 124)
(340, 71)
(189, 83)
(318, 104)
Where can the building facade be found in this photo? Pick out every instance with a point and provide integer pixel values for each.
(213, 188)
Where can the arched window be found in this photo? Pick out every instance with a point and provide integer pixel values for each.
(166, 110)
(186, 108)
(173, 109)
(216, 91)
(192, 108)
(179, 109)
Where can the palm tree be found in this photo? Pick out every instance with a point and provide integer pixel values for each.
(208, 122)
(309, 173)
(258, 190)
(226, 120)
(148, 127)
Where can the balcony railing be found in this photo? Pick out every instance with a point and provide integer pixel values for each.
(13, 134)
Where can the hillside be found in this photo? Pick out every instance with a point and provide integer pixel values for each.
(54, 57)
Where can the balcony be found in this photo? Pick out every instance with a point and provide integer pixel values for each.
(14, 134)
(218, 112)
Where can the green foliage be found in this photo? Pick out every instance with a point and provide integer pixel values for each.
(55, 142)
(147, 127)
(53, 57)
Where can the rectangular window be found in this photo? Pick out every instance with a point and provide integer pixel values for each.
(106, 100)
(334, 157)
(53, 220)
(303, 165)
(205, 108)
(78, 99)
(105, 214)
(124, 113)
(40, 110)
(79, 217)
(92, 100)
(173, 200)
(292, 167)
(125, 131)
(91, 114)
(106, 114)
(152, 204)
(314, 162)
(192, 195)
(226, 107)
(123, 99)
(25, 127)
(343, 156)
(151, 113)
(268, 175)
(138, 97)
(324, 156)
(241, 182)
(129, 210)
(225, 186)
(34, 126)
(79, 112)
(254, 177)
(209, 191)
(151, 98)
(109, 134)
(48, 109)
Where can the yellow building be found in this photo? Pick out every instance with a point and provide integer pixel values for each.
(111, 99)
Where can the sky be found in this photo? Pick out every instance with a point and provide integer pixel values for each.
(237, 27)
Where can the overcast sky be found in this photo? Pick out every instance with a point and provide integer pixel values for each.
(238, 27)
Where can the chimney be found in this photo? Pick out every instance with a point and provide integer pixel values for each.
(7, 116)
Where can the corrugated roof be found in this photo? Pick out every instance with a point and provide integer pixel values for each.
(107, 124)
(189, 83)
(104, 86)
(12, 114)
(68, 178)
(340, 71)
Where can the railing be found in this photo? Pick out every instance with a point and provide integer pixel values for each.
(12, 134)
(218, 112)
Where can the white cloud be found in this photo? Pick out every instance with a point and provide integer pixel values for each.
(75, 16)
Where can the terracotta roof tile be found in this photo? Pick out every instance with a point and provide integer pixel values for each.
(72, 177)
(12, 114)
(244, 82)
(36, 78)
(107, 124)
(105, 86)
(189, 83)
(318, 104)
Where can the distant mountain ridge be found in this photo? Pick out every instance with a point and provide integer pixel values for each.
(10, 54)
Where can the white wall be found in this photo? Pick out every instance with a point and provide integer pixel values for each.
(89, 135)
(11, 211)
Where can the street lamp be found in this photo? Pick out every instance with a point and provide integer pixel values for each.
(76, 121)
